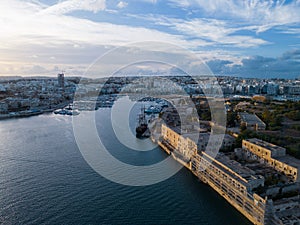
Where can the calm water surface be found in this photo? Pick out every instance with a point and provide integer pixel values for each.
(45, 180)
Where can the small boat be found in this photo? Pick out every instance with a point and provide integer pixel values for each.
(72, 112)
(153, 109)
(60, 111)
(66, 112)
(69, 107)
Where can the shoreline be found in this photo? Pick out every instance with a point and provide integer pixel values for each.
(204, 180)
(28, 113)
(22, 114)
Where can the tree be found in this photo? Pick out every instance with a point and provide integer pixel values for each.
(231, 117)
(266, 115)
(243, 127)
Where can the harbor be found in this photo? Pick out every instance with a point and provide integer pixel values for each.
(43, 176)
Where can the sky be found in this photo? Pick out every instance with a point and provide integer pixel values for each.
(254, 38)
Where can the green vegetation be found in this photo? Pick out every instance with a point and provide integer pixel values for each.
(244, 134)
(282, 126)
(273, 119)
(294, 150)
(293, 115)
(288, 109)
(291, 144)
(204, 114)
(272, 112)
(296, 127)
(231, 117)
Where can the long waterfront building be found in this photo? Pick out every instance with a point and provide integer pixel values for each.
(227, 177)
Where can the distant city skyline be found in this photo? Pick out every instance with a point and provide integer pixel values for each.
(240, 38)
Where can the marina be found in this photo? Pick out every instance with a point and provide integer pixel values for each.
(68, 110)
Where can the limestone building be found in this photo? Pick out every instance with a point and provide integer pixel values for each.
(274, 156)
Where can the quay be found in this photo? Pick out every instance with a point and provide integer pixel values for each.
(234, 182)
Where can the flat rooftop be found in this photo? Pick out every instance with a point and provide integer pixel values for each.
(233, 169)
(261, 169)
(290, 160)
(235, 166)
(251, 118)
(265, 144)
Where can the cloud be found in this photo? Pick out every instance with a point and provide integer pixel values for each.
(285, 66)
(293, 55)
(30, 28)
(290, 30)
(37, 69)
(209, 31)
(122, 5)
(263, 13)
(218, 66)
(31, 69)
(144, 68)
(23, 23)
(149, 1)
(217, 31)
(73, 5)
